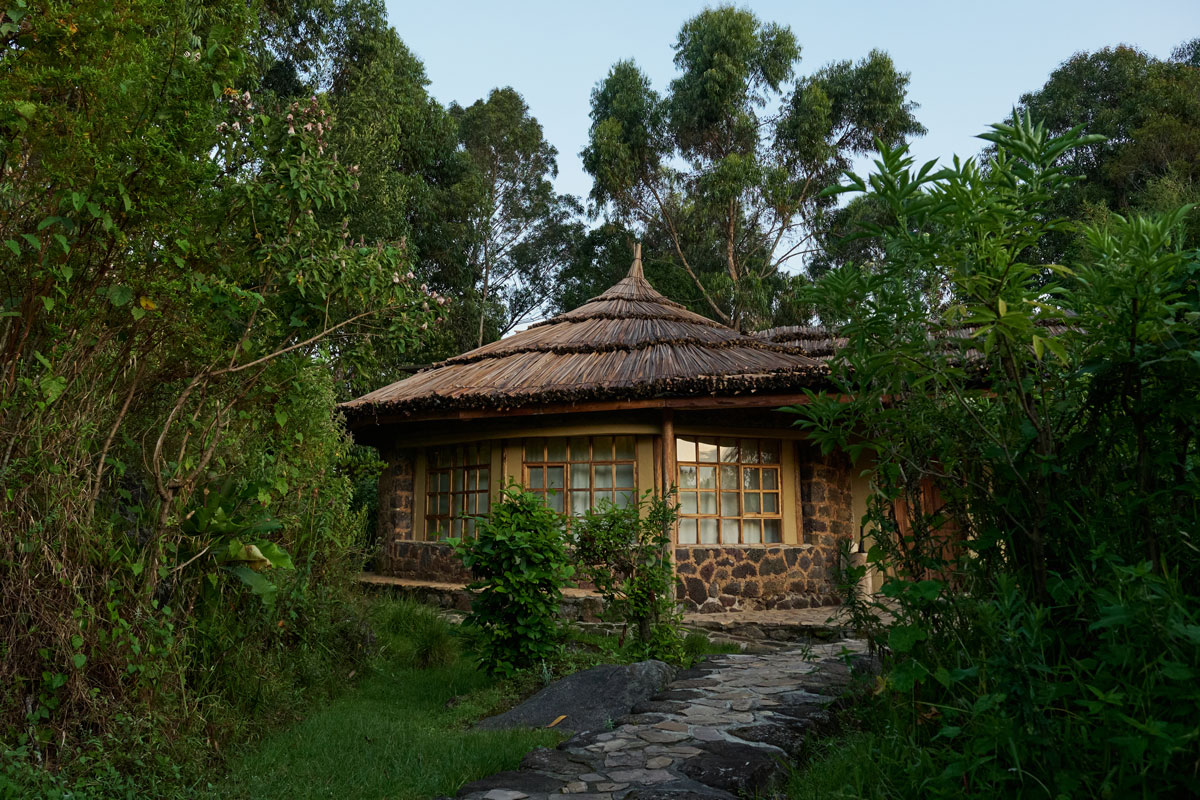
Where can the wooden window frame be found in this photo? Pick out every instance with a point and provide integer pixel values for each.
(760, 465)
(568, 491)
(467, 499)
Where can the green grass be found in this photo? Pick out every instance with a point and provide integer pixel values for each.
(404, 731)
(397, 734)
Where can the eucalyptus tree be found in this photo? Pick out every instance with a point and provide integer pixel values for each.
(732, 160)
(519, 227)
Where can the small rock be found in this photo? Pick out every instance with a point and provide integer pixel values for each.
(642, 776)
(671, 725)
(575, 787)
(659, 762)
(611, 787)
(505, 794)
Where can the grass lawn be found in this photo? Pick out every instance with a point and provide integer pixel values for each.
(404, 730)
(397, 734)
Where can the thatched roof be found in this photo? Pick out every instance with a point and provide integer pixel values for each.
(819, 342)
(628, 343)
(815, 341)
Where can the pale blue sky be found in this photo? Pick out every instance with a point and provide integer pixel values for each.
(969, 61)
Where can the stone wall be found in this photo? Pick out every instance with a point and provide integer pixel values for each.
(718, 579)
(424, 561)
(825, 497)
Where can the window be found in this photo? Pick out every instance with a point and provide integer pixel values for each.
(728, 491)
(458, 480)
(577, 473)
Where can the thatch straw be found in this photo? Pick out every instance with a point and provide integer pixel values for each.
(628, 343)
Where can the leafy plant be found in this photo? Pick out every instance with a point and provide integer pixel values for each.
(1033, 430)
(625, 551)
(519, 562)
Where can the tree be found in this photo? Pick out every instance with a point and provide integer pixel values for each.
(178, 278)
(519, 225)
(416, 185)
(1147, 111)
(731, 163)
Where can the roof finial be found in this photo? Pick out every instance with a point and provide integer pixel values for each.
(635, 271)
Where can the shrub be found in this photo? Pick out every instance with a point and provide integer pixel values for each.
(519, 560)
(1049, 649)
(626, 553)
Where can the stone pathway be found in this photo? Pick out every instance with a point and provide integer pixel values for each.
(720, 729)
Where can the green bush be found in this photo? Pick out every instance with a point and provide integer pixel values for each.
(519, 561)
(625, 551)
(1042, 635)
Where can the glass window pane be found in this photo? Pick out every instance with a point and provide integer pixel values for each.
(771, 531)
(581, 476)
(580, 502)
(444, 481)
(687, 477)
(729, 478)
(470, 527)
(770, 451)
(707, 449)
(460, 480)
(687, 503)
(535, 450)
(444, 504)
(708, 531)
(554, 477)
(770, 503)
(752, 531)
(578, 447)
(729, 531)
(624, 499)
(749, 451)
(729, 451)
(708, 503)
(707, 477)
(729, 504)
(484, 479)
(624, 448)
(555, 501)
(753, 502)
(602, 447)
(685, 450)
(750, 478)
(556, 449)
(687, 531)
(483, 503)
(624, 479)
(457, 527)
(770, 479)
(604, 476)
(600, 499)
(537, 477)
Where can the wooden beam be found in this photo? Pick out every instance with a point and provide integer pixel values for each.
(766, 401)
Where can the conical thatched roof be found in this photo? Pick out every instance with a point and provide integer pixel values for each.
(628, 343)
